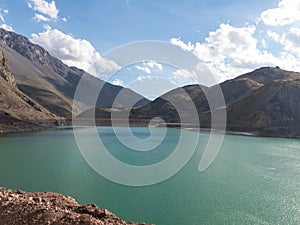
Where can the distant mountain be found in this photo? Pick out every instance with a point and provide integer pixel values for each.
(50, 82)
(265, 102)
(18, 112)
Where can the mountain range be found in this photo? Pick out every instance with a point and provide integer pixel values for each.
(264, 102)
(52, 83)
(34, 87)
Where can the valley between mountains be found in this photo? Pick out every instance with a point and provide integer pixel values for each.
(37, 91)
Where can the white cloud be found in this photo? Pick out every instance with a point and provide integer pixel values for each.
(40, 17)
(140, 78)
(264, 43)
(2, 18)
(48, 9)
(148, 66)
(153, 64)
(181, 73)
(229, 51)
(273, 35)
(3, 11)
(64, 19)
(187, 47)
(291, 41)
(143, 69)
(151, 78)
(6, 27)
(74, 52)
(287, 12)
(118, 82)
(152, 86)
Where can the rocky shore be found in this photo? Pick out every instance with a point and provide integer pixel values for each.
(39, 208)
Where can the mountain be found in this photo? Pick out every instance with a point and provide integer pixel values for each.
(174, 104)
(51, 83)
(18, 112)
(263, 102)
(273, 109)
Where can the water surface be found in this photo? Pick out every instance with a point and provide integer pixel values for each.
(252, 181)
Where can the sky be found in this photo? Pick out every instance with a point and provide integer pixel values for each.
(226, 37)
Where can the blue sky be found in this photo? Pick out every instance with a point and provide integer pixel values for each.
(228, 38)
(107, 24)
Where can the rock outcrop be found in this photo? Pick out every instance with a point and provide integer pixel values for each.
(5, 70)
(18, 112)
(25, 208)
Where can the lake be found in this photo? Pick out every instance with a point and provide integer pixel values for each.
(253, 180)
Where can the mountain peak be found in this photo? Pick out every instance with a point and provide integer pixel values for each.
(269, 68)
(265, 75)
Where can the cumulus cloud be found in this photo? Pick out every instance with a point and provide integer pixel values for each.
(40, 17)
(177, 41)
(287, 12)
(46, 8)
(182, 73)
(74, 52)
(273, 35)
(118, 82)
(143, 69)
(229, 51)
(148, 67)
(153, 64)
(152, 86)
(289, 40)
(142, 78)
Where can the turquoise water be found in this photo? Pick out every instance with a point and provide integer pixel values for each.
(252, 181)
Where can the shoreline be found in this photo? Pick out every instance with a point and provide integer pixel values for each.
(20, 207)
(30, 127)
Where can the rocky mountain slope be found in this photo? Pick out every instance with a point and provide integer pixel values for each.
(264, 102)
(50, 82)
(18, 112)
(22, 208)
(272, 109)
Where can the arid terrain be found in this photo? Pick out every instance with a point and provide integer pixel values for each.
(23, 208)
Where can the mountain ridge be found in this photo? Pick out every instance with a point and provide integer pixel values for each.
(47, 79)
(262, 102)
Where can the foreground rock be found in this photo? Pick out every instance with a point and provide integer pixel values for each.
(20, 208)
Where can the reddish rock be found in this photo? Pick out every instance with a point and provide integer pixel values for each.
(38, 208)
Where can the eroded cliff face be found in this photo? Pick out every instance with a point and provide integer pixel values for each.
(5, 70)
(18, 112)
(24, 208)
